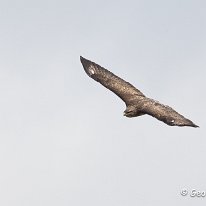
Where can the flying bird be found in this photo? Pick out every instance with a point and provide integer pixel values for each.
(137, 103)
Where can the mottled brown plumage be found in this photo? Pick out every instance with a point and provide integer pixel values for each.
(136, 102)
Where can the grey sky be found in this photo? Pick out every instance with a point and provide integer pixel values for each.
(63, 137)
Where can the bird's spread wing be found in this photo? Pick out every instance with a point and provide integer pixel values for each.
(164, 113)
(123, 89)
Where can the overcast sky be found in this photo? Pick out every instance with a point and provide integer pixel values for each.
(63, 137)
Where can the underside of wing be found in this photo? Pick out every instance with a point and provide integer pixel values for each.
(164, 113)
(123, 89)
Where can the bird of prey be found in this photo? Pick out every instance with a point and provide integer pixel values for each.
(136, 102)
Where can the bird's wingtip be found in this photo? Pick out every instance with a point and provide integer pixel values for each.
(193, 125)
(196, 126)
(83, 60)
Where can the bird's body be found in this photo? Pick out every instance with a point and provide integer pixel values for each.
(137, 103)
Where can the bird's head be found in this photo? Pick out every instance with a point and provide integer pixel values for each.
(131, 111)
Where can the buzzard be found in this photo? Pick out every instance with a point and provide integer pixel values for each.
(137, 103)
